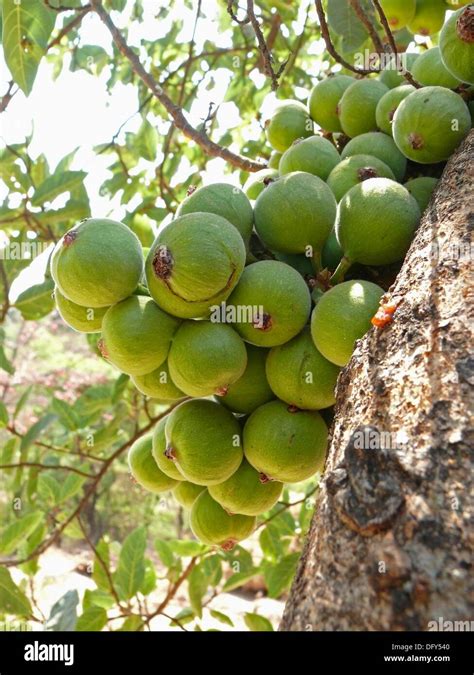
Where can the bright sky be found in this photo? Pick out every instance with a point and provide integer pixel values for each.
(75, 110)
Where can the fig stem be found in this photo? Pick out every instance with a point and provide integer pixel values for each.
(317, 262)
(340, 272)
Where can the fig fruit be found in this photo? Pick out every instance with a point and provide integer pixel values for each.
(358, 105)
(257, 182)
(194, 263)
(398, 12)
(429, 17)
(284, 444)
(392, 73)
(324, 101)
(186, 493)
(314, 155)
(144, 468)
(387, 107)
(421, 189)
(214, 526)
(164, 462)
(158, 384)
(251, 389)
(430, 71)
(82, 319)
(354, 170)
(289, 121)
(97, 263)
(456, 44)
(381, 146)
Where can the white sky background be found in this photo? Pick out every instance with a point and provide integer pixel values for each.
(76, 111)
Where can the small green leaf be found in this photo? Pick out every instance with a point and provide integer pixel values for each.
(132, 623)
(165, 553)
(34, 431)
(3, 415)
(131, 566)
(223, 618)
(63, 616)
(12, 599)
(257, 623)
(70, 486)
(18, 531)
(93, 619)
(36, 301)
(97, 598)
(49, 488)
(55, 185)
(270, 542)
(239, 579)
(197, 587)
(146, 141)
(98, 573)
(186, 548)
(279, 577)
(65, 413)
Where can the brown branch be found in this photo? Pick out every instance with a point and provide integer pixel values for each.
(38, 465)
(64, 8)
(330, 47)
(69, 26)
(264, 48)
(393, 45)
(233, 15)
(286, 506)
(175, 111)
(365, 20)
(7, 97)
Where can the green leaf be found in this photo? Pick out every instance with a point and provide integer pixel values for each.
(197, 587)
(223, 618)
(18, 531)
(63, 616)
(71, 486)
(5, 363)
(270, 542)
(66, 414)
(12, 599)
(149, 580)
(97, 598)
(93, 619)
(27, 26)
(55, 185)
(344, 21)
(36, 301)
(146, 141)
(257, 623)
(239, 579)
(49, 488)
(279, 577)
(184, 616)
(132, 623)
(21, 401)
(131, 566)
(34, 431)
(3, 415)
(98, 573)
(186, 548)
(165, 553)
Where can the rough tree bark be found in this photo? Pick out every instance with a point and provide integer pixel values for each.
(390, 544)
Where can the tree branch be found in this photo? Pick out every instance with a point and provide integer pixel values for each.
(364, 19)
(175, 111)
(265, 48)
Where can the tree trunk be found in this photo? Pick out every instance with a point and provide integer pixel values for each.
(390, 544)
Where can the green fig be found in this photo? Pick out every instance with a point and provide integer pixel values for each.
(285, 444)
(358, 105)
(398, 12)
(206, 358)
(194, 263)
(430, 71)
(343, 316)
(82, 319)
(163, 461)
(158, 384)
(430, 124)
(246, 492)
(300, 375)
(289, 121)
(392, 74)
(257, 182)
(204, 440)
(381, 146)
(214, 526)
(144, 468)
(97, 263)
(314, 155)
(270, 304)
(429, 17)
(324, 101)
(251, 389)
(136, 335)
(186, 493)
(456, 44)
(387, 107)
(274, 161)
(421, 189)
(222, 199)
(295, 213)
(354, 170)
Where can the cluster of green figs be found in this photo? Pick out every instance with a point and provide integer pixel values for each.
(240, 315)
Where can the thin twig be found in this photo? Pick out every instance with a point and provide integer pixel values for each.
(264, 48)
(365, 20)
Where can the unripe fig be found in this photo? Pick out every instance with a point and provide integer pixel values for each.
(388, 104)
(343, 316)
(274, 161)
(358, 105)
(144, 468)
(332, 252)
(206, 358)
(398, 12)
(186, 493)
(456, 44)
(82, 319)
(136, 335)
(284, 444)
(257, 182)
(430, 124)
(421, 189)
(97, 263)
(429, 17)
(324, 101)
(367, 238)
(314, 155)
(295, 213)
(142, 226)
(354, 170)
(164, 462)
(270, 304)
(222, 199)
(158, 384)
(289, 121)
(391, 75)
(299, 262)
(194, 263)
(300, 375)
(251, 389)
(204, 441)
(381, 146)
(214, 526)
(246, 492)
(430, 71)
